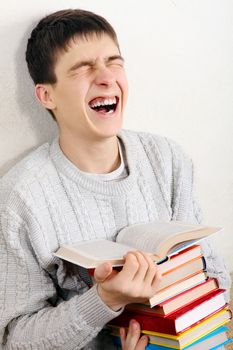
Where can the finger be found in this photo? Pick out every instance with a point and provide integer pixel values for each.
(142, 343)
(133, 335)
(157, 279)
(123, 337)
(102, 272)
(152, 270)
(143, 267)
(131, 266)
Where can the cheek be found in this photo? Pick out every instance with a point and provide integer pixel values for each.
(123, 79)
(123, 82)
(73, 93)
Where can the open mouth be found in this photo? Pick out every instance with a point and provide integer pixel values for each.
(104, 105)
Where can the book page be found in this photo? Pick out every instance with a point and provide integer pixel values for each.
(101, 249)
(151, 236)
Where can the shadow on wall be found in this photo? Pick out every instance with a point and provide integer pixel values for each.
(24, 115)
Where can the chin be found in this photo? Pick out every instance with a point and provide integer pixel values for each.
(106, 127)
(106, 132)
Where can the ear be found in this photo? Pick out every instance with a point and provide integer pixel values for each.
(44, 95)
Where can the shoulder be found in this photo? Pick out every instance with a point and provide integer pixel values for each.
(16, 182)
(157, 146)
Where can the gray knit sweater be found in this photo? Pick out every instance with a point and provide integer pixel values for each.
(45, 201)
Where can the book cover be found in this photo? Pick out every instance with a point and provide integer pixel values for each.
(212, 340)
(180, 258)
(209, 324)
(181, 273)
(177, 288)
(178, 301)
(194, 333)
(177, 321)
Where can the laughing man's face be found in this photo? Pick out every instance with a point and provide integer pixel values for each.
(91, 89)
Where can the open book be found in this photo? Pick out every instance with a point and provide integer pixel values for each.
(160, 239)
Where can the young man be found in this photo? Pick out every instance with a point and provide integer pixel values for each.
(92, 181)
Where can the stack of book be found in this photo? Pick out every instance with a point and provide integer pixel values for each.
(188, 310)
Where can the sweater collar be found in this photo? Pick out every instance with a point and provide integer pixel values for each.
(65, 167)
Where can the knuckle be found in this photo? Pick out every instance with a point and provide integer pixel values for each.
(148, 256)
(143, 262)
(144, 268)
(133, 261)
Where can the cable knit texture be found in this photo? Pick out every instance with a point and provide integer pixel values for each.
(45, 201)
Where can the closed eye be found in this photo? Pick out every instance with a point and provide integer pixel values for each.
(116, 60)
(86, 66)
(117, 63)
(81, 66)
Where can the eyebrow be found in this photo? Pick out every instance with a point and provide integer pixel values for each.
(92, 63)
(115, 57)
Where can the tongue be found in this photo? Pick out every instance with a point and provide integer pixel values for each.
(102, 110)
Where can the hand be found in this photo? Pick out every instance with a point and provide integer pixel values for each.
(132, 340)
(135, 283)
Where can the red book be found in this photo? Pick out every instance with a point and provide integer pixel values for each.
(177, 321)
(179, 301)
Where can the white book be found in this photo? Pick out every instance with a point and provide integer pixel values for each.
(160, 239)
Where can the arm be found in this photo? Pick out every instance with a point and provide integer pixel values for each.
(185, 208)
(30, 321)
(27, 318)
(174, 172)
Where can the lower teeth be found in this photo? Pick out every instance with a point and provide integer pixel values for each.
(107, 110)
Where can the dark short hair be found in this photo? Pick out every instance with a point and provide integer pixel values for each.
(52, 35)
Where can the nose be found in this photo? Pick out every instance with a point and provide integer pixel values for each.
(104, 75)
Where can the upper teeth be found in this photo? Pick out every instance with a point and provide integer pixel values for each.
(104, 102)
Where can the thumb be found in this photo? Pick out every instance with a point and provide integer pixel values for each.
(102, 272)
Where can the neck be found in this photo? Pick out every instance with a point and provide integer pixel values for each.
(96, 156)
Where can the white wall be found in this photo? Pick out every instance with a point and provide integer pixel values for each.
(179, 59)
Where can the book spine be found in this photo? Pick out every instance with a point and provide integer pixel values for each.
(162, 307)
(147, 322)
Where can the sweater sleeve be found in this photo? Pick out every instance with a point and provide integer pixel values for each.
(186, 208)
(27, 318)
